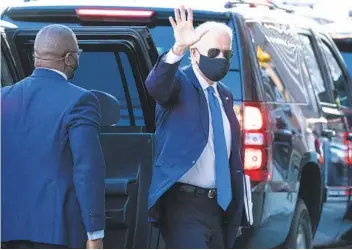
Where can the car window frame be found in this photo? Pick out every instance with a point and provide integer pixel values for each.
(257, 61)
(338, 57)
(115, 49)
(6, 54)
(135, 39)
(321, 63)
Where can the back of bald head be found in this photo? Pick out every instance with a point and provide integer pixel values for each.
(54, 41)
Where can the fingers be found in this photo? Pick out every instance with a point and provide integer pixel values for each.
(180, 15)
(190, 15)
(177, 16)
(173, 24)
(183, 14)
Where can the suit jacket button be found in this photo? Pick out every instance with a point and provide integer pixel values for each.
(193, 162)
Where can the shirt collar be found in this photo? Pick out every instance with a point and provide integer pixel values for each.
(57, 71)
(203, 83)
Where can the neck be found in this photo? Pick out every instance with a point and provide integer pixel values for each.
(196, 68)
(58, 71)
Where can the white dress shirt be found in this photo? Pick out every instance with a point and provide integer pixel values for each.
(57, 71)
(91, 235)
(202, 174)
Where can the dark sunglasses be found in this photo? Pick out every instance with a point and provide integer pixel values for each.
(78, 52)
(212, 53)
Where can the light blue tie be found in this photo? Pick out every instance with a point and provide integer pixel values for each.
(222, 167)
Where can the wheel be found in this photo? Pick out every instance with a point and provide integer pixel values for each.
(332, 177)
(300, 235)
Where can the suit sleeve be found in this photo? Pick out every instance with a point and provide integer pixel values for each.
(237, 127)
(89, 166)
(162, 82)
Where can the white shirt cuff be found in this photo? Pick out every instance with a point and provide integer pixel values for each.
(172, 58)
(96, 235)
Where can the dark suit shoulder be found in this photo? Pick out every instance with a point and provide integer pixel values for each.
(76, 89)
(82, 96)
(225, 88)
(5, 89)
(15, 88)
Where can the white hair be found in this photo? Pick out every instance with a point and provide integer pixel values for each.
(213, 28)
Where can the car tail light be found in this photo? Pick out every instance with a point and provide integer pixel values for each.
(255, 141)
(348, 155)
(319, 150)
(90, 14)
(253, 158)
(253, 118)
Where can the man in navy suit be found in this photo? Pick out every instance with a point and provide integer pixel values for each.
(52, 165)
(196, 194)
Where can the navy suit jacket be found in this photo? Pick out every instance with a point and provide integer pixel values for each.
(182, 128)
(52, 165)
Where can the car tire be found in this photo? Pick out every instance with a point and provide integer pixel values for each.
(300, 235)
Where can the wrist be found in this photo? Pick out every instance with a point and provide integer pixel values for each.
(179, 50)
(97, 235)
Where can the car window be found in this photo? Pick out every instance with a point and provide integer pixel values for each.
(347, 56)
(345, 48)
(163, 37)
(6, 78)
(278, 56)
(340, 84)
(111, 72)
(109, 69)
(313, 69)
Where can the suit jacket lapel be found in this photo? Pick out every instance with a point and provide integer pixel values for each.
(226, 101)
(203, 104)
(228, 107)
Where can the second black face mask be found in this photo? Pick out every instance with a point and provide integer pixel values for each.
(214, 69)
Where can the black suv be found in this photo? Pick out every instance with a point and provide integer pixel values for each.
(285, 97)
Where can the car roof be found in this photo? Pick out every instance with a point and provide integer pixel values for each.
(211, 9)
(39, 12)
(213, 6)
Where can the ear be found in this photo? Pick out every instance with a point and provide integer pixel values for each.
(68, 59)
(194, 53)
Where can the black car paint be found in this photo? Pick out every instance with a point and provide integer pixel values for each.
(129, 170)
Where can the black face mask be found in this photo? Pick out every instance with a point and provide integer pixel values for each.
(214, 69)
(74, 67)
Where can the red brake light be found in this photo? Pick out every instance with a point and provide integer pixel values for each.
(255, 142)
(253, 119)
(114, 13)
(253, 158)
(348, 157)
(319, 150)
(88, 14)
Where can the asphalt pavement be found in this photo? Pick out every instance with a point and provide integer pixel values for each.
(331, 226)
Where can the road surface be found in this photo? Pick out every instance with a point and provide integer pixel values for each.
(331, 226)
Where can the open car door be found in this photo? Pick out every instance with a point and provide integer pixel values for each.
(8, 70)
(116, 60)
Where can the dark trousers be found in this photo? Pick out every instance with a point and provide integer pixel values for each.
(190, 219)
(25, 244)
